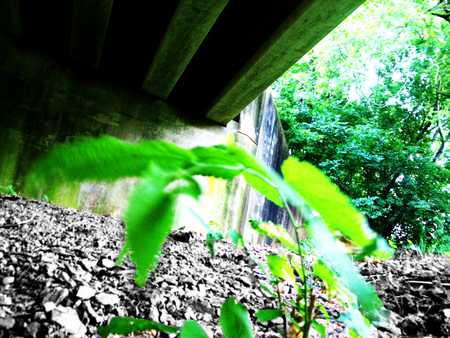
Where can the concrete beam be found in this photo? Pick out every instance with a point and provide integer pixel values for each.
(303, 29)
(187, 29)
(10, 20)
(89, 25)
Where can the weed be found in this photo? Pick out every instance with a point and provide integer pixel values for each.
(167, 171)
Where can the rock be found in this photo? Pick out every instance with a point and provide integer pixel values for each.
(57, 296)
(5, 300)
(88, 264)
(50, 268)
(13, 260)
(107, 263)
(69, 320)
(49, 306)
(8, 280)
(40, 316)
(7, 323)
(190, 314)
(91, 312)
(85, 292)
(107, 298)
(33, 329)
(446, 313)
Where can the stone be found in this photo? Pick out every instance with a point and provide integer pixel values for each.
(88, 264)
(107, 263)
(33, 329)
(8, 280)
(85, 292)
(190, 314)
(40, 316)
(50, 268)
(92, 312)
(107, 298)
(7, 323)
(69, 320)
(5, 300)
(13, 260)
(57, 295)
(49, 306)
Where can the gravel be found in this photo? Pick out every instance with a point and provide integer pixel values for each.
(58, 279)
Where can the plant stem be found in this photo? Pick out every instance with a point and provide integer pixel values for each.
(280, 305)
(307, 323)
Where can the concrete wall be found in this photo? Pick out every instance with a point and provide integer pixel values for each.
(43, 103)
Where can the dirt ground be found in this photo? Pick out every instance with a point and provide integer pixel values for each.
(58, 279)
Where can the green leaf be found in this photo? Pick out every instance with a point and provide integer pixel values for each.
(276, 232)
(215, 161)
(236, 239)
(235, 320)
(187, 186)
(322, 271)
(335, 259)
(266, 315)
(355, 321)
(102, 159)
(379, 248)
(148, 221)
(128, 325)
(267, 289)
(320, 328)
(211, 238)
(280, 267)
(258, 176)
(192, 329)
(325, 198)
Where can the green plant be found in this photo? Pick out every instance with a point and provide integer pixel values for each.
(8, 190)
(167, 171)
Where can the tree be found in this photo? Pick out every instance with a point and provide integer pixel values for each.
(370, 107)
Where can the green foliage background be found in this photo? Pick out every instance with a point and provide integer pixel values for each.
(369, 106)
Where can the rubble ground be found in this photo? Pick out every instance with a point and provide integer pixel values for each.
(58, 279)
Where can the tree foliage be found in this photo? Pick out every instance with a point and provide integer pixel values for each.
(369, 106)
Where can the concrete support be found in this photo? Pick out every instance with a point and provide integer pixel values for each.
(307, 25)
(188, 27)
(10, 20)
(89, 25)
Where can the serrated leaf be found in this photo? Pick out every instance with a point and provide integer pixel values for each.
(266, 315)
(102, 159)
(216, 161)
(276, 232)
(187, 186)
(257, 175)
(296, 263)
(128, 325)
(334, 258)
(235, 320)
(280, 267)
(324, 273)
(324, 197)
(148, 222)
(192, 329)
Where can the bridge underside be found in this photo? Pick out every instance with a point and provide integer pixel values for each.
(208, 58)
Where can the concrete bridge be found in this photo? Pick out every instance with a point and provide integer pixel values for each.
(209, 57)
(179, 70)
